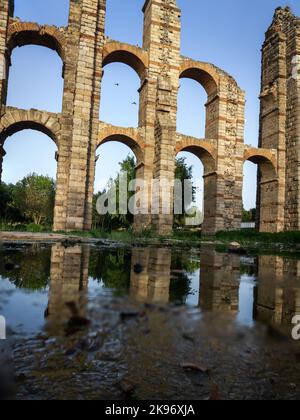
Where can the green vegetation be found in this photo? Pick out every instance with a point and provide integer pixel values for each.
(112, 269)
(111, 222)
(27, 205)
(249, 215)
(251, 235)
(27, 268)
(184, 173)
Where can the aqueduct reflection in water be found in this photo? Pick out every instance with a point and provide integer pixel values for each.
(212, 281)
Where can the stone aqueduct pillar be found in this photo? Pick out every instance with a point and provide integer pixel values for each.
(224, 127)
(80, 114)
(85, 50)
(279, 194)
(6, 11)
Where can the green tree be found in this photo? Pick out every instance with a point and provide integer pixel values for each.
(9, 213)
(183, 172)
(5, 200)
(30, 267)
(183, 267)
(113, 269)
(34, 198)
(249, 215)
(116, 221)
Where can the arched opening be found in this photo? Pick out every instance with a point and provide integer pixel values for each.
(119, 95)
(191, 164)
(134, 57)
(201, 73)
(124, 155)
(28, 177)
(249, 195)
(35, 79)
(55, 12)
(202, 156)
(191, 114)
(197, 121)
(266, 192)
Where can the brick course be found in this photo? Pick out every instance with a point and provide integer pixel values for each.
(77, 131)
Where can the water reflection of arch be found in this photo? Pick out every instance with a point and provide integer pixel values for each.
(68, 282)
(277, 297)
(220, 281)
(151, 274)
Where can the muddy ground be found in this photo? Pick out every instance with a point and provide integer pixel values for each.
(130, 351)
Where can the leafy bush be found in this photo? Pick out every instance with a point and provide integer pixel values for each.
(33, 227)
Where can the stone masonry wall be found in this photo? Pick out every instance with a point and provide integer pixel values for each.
(279, 122)
(85, 51)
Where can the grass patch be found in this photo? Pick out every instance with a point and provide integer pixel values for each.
(20, 227)
(252, 235)
(246, 237)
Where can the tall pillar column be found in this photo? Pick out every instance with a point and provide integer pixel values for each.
(6, 11)
(159, 95)
(230, 135)
(67, 117)
(278, 195)
(80, 117)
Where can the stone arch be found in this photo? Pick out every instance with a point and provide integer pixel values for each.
(14, 121)
(210, 78)
(266, 161)
(134, 57)
(27, 33)
(204, 73)
(204, 150)
(128, 136)
(268, 187)
(207, 153)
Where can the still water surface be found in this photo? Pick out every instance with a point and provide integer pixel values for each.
(38, 283)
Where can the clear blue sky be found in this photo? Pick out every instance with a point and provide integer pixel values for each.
(228, 33)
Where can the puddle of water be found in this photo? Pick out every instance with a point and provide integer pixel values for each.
(44, 288)
(34, 278)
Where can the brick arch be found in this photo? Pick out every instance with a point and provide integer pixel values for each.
(27, 33)
(265, 159)
(135, 57)
(14, 121)
(204, 150)
(204, 73)
(127, 136)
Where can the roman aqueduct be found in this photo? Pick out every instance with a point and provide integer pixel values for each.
(85, 51)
